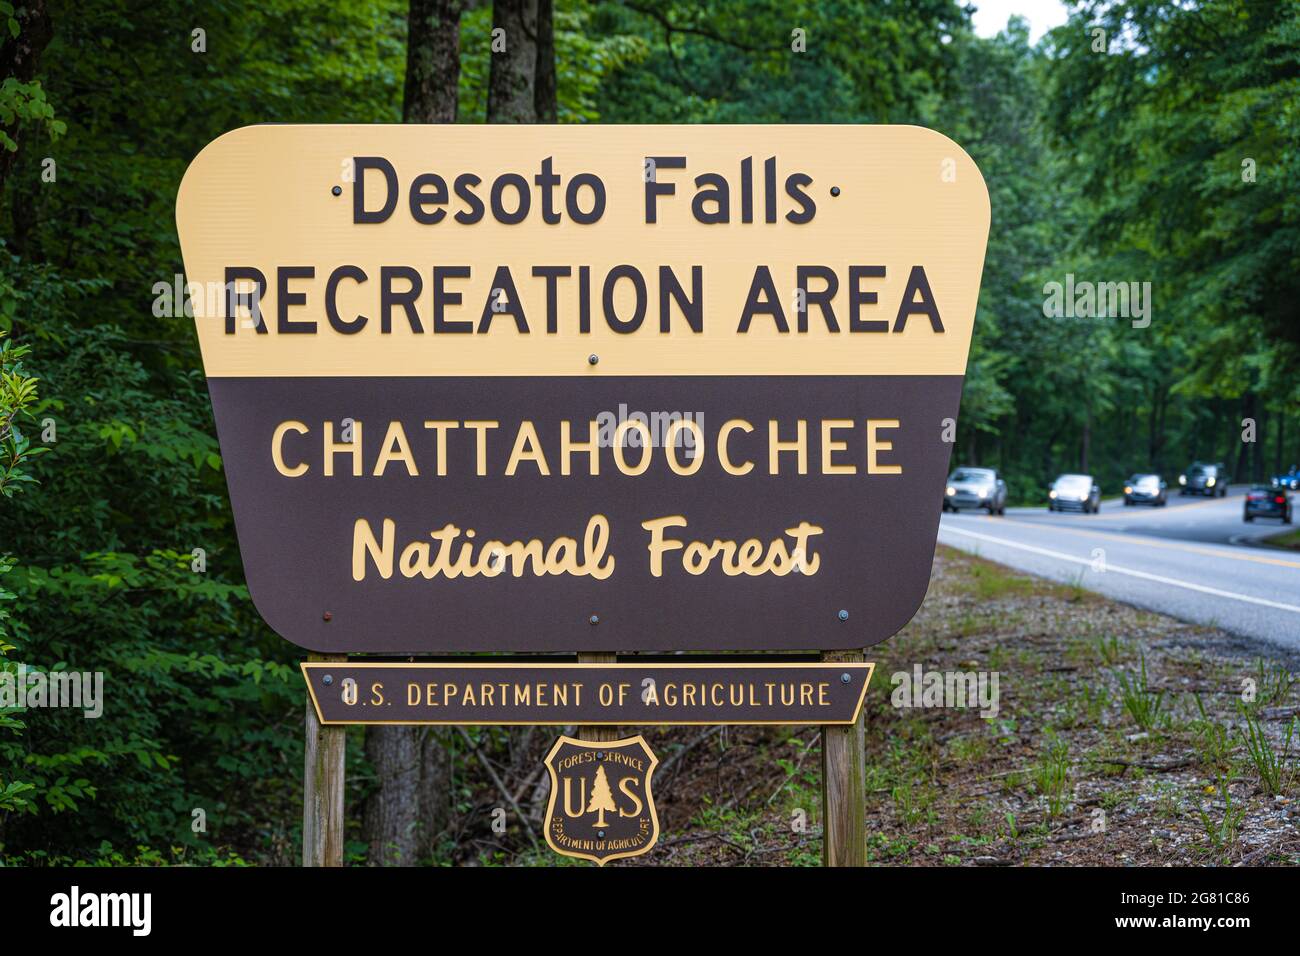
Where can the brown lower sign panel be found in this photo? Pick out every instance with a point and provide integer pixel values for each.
(774, 538)
(788, 527)
(560, 694)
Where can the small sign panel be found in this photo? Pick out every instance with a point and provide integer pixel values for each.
(584, 388)
(601, 806)
(625, 694)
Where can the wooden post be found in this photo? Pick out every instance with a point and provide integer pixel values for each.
(598, 732)
(322, 790)
(844, 787)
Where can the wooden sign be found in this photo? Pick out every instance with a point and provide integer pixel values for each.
(562, 388)
(561, 694)
(601, 807)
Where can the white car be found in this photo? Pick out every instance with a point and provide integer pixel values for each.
(976, 488)
(1074, 491)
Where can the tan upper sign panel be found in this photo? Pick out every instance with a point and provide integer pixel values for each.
(852, 201)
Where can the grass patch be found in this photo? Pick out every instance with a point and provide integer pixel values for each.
(1273, 683)
(1051, 776)
(1111, 650)
(1273, 766)
(1213, 745)
(1289, 540)
(991, 581)
(1222, 829)
(970, 748)
(1140, 702)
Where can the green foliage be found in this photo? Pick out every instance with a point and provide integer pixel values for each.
(22, 104)
(1141, 702)
(586, 57)
(1273, 683)
(17, 395)
(1213, 744)
(1222, 830)
(1181, 140)
(732, 61)
(1051, 775)
(1131, 165)
(1276, 774)
(203, 705)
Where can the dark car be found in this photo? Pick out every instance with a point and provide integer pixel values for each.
(976, 488)
(1289, 481)
(1074, 491)
(1146, 490)
(1202, 478)
(1265, 502)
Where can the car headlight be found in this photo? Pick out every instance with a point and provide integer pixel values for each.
(1182, 479)
(1209, 482)
(984, 492)
(1128, 490)
(1052, 493)
(951, 490)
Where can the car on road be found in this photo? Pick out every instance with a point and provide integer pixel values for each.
(1145, 489)
(1291, 480)
(1074, 491)
(1265, 502)
(1204, 478)
(976, 488)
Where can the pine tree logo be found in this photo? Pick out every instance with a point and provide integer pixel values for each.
(608, 782)
(602, 798)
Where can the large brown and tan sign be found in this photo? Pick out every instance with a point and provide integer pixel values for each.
(568, 388)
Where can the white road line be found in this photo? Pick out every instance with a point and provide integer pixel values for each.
(1129, 571)
(1212, 549)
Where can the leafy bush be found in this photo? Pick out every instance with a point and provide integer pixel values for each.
(17, 394)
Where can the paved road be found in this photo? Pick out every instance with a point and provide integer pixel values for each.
(1195, 559)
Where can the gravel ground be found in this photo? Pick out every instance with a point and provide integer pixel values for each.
(1086, 761)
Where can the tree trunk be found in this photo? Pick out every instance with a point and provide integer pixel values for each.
(410, 805)
(545, 102)
(432, 61)
(1085, 440)
(1153, 427)
(1257, 448)
(19, 56)
(391, 827)
(1236, 467)
(1281, 439)
(511, 79)
(436, 780)
(1158, 457)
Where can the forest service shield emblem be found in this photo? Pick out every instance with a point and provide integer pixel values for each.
(601, 805)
